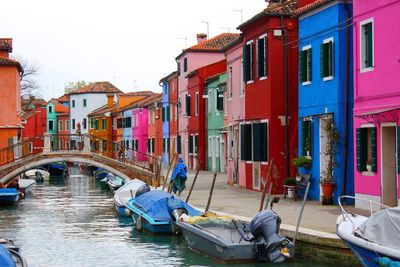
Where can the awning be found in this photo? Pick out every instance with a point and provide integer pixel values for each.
(378, 111)
(380, 115)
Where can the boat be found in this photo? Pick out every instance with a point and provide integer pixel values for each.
(10, 254)
(9, 196)
(233, 241)
(153, 211)
(133, 188)
(114, 182)
(25, 185)
(100, 174)
(39, 174)
(374, 239)
(57, 169)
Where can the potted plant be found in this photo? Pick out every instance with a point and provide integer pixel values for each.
(327, 178)
(289, 184)
(302, 161)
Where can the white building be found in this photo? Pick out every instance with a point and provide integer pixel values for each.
(85, 100)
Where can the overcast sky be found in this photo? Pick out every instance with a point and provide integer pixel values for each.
(131, 43)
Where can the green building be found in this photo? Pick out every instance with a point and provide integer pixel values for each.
(215, 91)
(51, 124)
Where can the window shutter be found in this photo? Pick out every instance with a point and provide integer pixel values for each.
(309, 64)
(251, 64)
(373, 150)
(303, 66)
(163, 144)
(257, 141)
(330, 58)
(167, 110)
(163, 114)
(361, 153)
(153, 145)
(266, 56)
(246, 63)
(190, 144)
(245, 142)
(136, 144)
(368, 44)
(178, 144)
(148, 145)
(306, 132)
(260, 58)
(398, 149)
(264, 144)
(167, 144)
(187, 105)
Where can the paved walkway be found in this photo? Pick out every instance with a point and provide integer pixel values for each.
(242, 202)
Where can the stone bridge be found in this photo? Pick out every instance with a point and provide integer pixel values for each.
(124, 167)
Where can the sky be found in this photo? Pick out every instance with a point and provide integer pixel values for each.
(131, 43)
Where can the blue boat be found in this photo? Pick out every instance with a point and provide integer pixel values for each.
(132, 188)
(9, 196)
(10, 255)
(100, 174)
(374, 240)
(153, 211)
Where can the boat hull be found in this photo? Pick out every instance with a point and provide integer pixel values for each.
(148, 224)
(214, 247)
(120, 210)
(9, 196)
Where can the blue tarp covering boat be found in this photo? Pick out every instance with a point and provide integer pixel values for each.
(8, 196)
(6, 258)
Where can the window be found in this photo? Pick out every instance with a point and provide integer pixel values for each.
(178, 67)
(104, 145)
(84, 102)
(178, 144)
(253, 142)
(326, 58)
(167, 115)
(196, 104)
(103, 124)
(305, 65)
(84, 123)
(366, 151)
(163, 114)
(220, 100)
(245, 142)
(248, 61)
(185, 66)
(73, 124)
(51, 125)
(136, 145)
(367, 45)
(262, 56)
(73, 103)
(96, 124)
(230, 81)
(187, 104)
(242, 78)
(91, 123)
(67, 125)
(60, 125)
(50, 109)
(128, 122)
(148, 145)
(119, 123)
(306, 137)
(153, 145)
(191, 144)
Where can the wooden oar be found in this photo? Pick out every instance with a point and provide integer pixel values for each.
(265, 186)
(169, 169)
(211, 192)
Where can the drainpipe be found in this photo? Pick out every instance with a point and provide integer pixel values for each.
(346, 95)
(286, 96)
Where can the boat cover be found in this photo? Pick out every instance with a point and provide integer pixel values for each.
(8, 192)
(154, 204)
(382, 228)
(6, 259)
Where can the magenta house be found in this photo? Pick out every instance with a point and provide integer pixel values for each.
(376, 101)
(235, 111)
(139, 131)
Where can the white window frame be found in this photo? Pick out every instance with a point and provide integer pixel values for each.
(362, 42)
(307, 47)
(329, 78)
(60, 125)
(265, 56)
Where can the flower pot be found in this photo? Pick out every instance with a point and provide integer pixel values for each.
(369, 168)
(327, 189)
(290, 192)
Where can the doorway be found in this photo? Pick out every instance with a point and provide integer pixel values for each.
(323, 158)
(388, 163)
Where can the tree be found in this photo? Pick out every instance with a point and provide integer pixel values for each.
(72, 86)
(29, 85)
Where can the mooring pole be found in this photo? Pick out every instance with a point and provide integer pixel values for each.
(301, 212)
(269, 196)
(265, 186)
(169, 169)
(194, 181)
(211, 192)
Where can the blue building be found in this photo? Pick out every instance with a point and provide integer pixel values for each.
(326, 95)
(166, 114)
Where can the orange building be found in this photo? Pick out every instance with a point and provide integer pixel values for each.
(10, 97)
(155, 133)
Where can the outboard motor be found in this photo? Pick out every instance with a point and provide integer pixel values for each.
(175, 208)
(272, 247)
(39, 176)
(143, 189)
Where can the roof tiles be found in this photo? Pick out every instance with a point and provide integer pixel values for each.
(215, 44)
(314, 5)
(97, 87)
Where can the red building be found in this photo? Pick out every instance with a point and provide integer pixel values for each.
(270, 75)
(155, 133)
(63, 124)
(196, 109)
(34, 123)
(173, 104)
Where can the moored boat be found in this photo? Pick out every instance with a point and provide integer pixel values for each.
(130, 189)
(10, 254)
(374, 239)
(153, 211)
(25, 185)
(114, 182)
(57, 168)
(232, 241)
(100, 174)
(39, 174)
(9, 196)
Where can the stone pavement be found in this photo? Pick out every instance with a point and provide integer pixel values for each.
(245, 203)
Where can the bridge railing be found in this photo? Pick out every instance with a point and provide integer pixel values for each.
(21, 150)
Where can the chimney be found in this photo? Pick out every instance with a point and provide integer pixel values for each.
(201, 37)
(5, 47)
(110, 100)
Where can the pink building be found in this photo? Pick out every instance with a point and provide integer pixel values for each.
(376, 101)
(204, 53)
(139, 131)
(235, 112)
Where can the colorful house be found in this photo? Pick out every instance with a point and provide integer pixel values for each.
(166, 118)
(235, 111)
(376, 101)
(215, 90)
(10, 97)
(326, 93)
(270, 75)
(205, 52)
(34, 123)
(155, 137)
(51, 117)
(63, 126)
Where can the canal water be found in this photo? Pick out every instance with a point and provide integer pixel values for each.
(72, 222)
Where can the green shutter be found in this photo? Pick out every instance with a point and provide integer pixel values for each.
(361, 149)
(168, 113)
(163, 114)
(398, 149)
(306, 130)
(330, 58)
(309, 65)
(303, 66)
(163, 144)
(373, 150)
(368, 45)
(322, 60)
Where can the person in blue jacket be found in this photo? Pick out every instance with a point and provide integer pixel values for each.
(179, 176)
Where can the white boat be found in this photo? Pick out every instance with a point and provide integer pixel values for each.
(25, 185)
(37, 174)
(130, 189)
(375, 240)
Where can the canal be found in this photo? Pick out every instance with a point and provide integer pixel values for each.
(72, 222)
